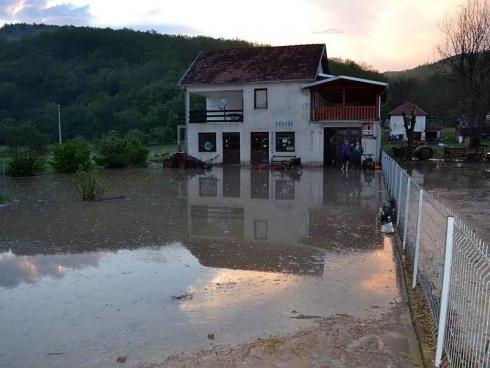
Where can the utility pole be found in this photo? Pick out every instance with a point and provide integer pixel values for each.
(59, 125)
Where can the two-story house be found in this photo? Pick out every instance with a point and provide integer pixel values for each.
(249, 105)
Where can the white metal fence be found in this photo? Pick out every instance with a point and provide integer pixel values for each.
(451, 265)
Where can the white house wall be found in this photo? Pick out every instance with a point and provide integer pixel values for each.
(288, 110)
(233, 100)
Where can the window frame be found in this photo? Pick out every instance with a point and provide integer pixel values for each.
(278, 148)
(199, 141)
(266, 98)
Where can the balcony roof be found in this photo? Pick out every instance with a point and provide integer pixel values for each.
(330, 79)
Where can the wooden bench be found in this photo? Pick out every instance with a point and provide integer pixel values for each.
(281, 159)
(282, 162)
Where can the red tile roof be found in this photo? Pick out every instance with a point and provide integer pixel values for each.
(256, 64)
(407, 108)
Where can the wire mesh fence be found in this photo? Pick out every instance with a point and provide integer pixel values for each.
(451, 265)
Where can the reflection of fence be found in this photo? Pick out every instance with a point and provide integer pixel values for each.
(451, 265)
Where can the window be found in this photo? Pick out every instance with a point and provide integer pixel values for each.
(208, 187)
(285, 189)
(260, 98)
(285, 142)
(261, 230)
(207, 142)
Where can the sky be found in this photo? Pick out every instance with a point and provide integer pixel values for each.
(386, 34)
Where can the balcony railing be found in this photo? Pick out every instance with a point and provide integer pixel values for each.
(345, 113)
(215, 116)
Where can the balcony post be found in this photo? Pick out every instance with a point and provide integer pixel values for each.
(343, 111)
(187, 102)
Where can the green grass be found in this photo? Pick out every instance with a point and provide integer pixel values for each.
(159, 151)
(3, 198)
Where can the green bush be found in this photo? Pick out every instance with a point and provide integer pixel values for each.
(71, 157)
(138, 153)
(138, 135)
(89, 184)
(27, 163)
(116, 152)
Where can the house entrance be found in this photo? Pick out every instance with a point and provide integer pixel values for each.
(231, 148)
(259, 144)
(333, 139)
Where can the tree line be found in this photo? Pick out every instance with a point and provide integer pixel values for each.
(121, 80)
(104, 80)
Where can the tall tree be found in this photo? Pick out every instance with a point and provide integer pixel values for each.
(466, 54)
(409, 124)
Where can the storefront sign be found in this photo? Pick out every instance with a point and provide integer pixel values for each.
(284, 124)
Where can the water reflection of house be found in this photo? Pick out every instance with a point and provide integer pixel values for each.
(269, 216)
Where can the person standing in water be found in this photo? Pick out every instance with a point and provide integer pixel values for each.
(357, 154)
(345, 153)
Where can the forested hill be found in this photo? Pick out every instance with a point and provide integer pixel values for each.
(430, 86)
(121, 80)
(103, 79)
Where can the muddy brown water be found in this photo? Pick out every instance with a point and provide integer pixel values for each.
(234, 253)
(464, 188)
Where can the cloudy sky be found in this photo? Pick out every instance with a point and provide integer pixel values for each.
(387, 34)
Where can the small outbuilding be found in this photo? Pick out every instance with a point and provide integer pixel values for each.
(397, 128)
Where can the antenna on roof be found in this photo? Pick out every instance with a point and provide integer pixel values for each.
(222, 103)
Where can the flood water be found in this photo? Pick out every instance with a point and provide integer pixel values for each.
(232, 252)
(462, 187)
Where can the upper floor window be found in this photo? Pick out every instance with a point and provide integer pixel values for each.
(260, 98)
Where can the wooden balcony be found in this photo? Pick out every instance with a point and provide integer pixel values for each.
(336, 113)
(215, 116)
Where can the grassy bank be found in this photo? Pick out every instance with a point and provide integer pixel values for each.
(156, 153)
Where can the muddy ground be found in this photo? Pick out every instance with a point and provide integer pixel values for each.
(337, 342)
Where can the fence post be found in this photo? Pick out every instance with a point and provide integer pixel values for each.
(417, 239)
(448, 257)
(399, 197)
(405, 224)
(393, 177)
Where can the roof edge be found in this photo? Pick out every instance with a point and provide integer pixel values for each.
(417, 107)
(299, 80)
(179, 83)
(338, 77)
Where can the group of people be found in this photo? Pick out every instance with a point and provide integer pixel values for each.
(351, 154)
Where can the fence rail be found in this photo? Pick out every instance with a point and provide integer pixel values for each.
(215, 116)
(450, 264)
(345, 113)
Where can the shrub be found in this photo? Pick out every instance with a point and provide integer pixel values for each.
(27, 163)
(17, 135)
(138, 153)
(89, 184)
(138, 135)
(116, 152)
(71, 156)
